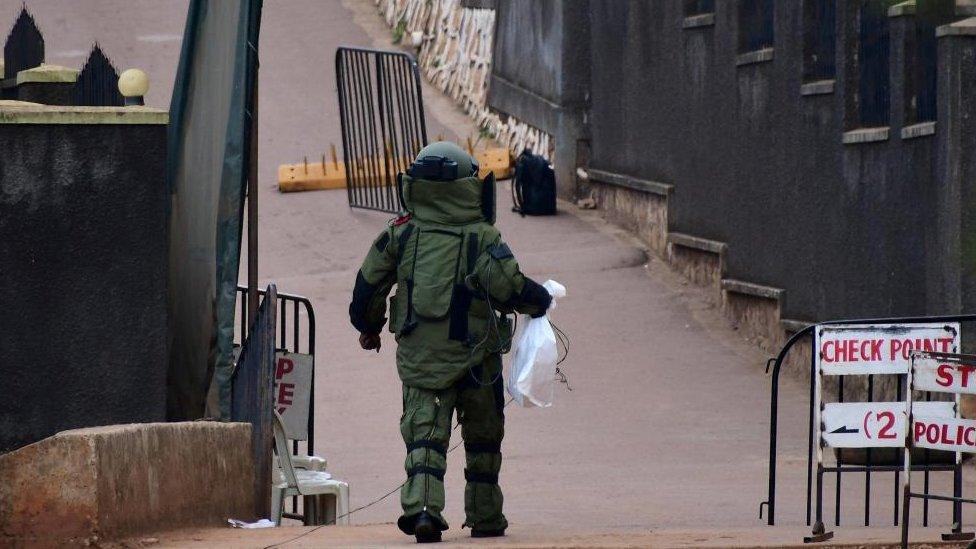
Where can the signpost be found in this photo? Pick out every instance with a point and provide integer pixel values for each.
(292, 388)
(873, 349)
(940, 372)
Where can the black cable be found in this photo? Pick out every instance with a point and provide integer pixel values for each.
(493, 323)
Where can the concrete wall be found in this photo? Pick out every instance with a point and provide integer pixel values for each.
(83, 249)
(828, 219)
(541, 75)
(761, 166)
(86, 485)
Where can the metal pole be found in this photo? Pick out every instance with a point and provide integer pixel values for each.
(252, 207)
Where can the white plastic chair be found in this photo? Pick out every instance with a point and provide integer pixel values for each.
(310, 481)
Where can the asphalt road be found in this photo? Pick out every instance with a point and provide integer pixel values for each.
(665, 431)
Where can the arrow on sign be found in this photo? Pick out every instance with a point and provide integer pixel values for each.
(844, 430)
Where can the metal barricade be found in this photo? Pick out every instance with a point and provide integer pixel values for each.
(814, 507)
(251, 395)
(381, 110)
(295, 334)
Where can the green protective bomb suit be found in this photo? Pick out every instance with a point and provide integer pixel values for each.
(452, 271)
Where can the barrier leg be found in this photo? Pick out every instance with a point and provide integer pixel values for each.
(957, 534)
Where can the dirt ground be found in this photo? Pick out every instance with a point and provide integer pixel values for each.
(663, 440)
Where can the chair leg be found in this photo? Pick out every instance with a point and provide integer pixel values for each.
(277, 505)
(342, 504)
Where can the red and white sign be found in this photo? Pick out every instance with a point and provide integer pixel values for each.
(292, 388)
(860, 349)
(933, 373)
(864, 424)
(874, 424)
(939, 433)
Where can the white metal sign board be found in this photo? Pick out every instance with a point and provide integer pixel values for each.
(860, 349)
(874, 424)
(292, 389)
(864, 424)
(943, 374)
(941, 433)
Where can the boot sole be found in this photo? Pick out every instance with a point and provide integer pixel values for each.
(427, 533)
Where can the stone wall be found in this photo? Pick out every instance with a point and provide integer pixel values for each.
(104, 483)
(456, 57)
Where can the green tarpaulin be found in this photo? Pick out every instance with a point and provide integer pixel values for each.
(207, 173)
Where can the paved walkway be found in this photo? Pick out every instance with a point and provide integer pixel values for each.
(663, 439)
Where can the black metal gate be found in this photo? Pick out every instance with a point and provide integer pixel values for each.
(295, 334)
(381, 109)
(251, 396)
(927, 463)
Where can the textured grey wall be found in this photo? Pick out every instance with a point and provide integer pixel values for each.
(83, 256)
(846, 229)
(761, 167)
(541, 74)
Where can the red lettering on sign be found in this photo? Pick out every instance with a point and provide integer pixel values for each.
(945, 435)
(824, 354)
(932, 433)
(876, 349)
(885, 431)
(895, 347)
(945, 341)
(944, 375)
(285, 366)
(919, 430)
(969, 437)
(966, 370)
(840, 351)
(285, 393)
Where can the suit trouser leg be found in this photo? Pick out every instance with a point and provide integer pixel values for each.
(481, 411)
(426, 429)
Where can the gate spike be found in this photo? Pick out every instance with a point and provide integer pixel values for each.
(306, 164)
(335, 160)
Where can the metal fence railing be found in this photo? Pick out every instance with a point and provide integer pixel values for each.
(381, 110)
(864, 465)
(295, 334)
(98, 82)
(251, 395)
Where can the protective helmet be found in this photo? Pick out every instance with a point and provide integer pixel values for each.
(442, 161)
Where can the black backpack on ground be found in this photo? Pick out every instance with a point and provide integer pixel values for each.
(534, 186)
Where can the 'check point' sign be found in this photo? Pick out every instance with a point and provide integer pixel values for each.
(880, 349)
(888, 349)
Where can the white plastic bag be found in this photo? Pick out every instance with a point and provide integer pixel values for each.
(532, 379)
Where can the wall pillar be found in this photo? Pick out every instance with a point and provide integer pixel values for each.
(951, 273)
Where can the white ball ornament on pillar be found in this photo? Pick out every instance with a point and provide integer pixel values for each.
(133, 85)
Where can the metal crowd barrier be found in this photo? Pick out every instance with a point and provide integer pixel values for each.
(295, 334)
(251, 395)
(381, 110)
(927, 466)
